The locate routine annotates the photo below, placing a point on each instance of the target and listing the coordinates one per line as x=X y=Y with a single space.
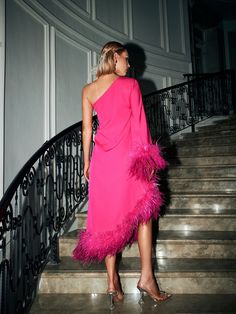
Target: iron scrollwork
x=34 y=212
x=175 y=108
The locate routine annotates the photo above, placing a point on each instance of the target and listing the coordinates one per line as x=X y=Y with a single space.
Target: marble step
x=98 y=303
x=217 y=128
x=187 y=200
x=209 y=133
x=204 y=160
x=181 y=275
x=206 y=140
x=176 y=244
x=188 y=220
x=198 y=220
x=224 y=120
x=227 y=185
x=206 y=150
x=193 y=172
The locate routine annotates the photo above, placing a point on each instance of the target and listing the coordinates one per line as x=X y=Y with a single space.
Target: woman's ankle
x=146 y=278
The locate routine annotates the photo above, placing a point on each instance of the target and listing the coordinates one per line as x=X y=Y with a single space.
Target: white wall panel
x=82 y=7
x=83 y=4
x=111 y=14
x=72 y=64
x=44 y=96
x=175 y=22
x=26 y=97
x=152 y=82
x=2 y=88
x=147 y=22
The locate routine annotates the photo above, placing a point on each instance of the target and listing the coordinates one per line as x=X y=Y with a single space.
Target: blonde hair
x=106 y=63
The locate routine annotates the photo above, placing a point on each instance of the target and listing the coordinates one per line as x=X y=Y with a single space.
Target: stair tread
x=204 y=145
x=206 y=156
x=208 y=135
x=216 y=236
x=182 y=235
x=162 y=265
x=204 y=179
x=201 y=166
x=97 y=303
x=189 y=213
x=201 y=212
x=204 y=194
x=206 y=265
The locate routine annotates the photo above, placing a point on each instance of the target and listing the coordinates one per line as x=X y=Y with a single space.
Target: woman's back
x=123 y=194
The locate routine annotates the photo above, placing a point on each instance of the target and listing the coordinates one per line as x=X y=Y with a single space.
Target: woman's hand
x=86 y=171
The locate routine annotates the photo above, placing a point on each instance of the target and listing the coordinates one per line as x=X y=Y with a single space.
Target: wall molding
x=126 y=15
x=182 y=28
x=58 y=24
x=114 y=32
x=182 y=31
x=2 y=92
x=105 y=34
x=96 y=26
x=46 y=39
x=154 y=48
x=77 y=45
x=161 y=8
x=52 y=113
x=130 y=21
x=85 y=13
x=46 y=83
x=31 y=12
x=166 y=28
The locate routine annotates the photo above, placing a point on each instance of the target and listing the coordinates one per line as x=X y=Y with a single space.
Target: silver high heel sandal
x=143 y=292
x=111 y=295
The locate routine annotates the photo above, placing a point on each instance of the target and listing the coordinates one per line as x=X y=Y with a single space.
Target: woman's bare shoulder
x=88 y=88
x=88 y=91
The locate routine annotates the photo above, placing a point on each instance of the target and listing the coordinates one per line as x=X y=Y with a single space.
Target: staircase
x=196 y=237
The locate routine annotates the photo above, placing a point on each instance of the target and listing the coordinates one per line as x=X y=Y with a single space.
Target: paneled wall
x=52 y=50
x=2 y=88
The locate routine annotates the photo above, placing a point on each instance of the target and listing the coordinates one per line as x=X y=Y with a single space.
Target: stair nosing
x=219 y=265
x=205 y=179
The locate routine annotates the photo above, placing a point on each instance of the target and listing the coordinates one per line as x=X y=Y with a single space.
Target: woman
x=123 y=191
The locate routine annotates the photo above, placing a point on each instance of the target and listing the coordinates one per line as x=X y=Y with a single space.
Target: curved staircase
x=195 y=251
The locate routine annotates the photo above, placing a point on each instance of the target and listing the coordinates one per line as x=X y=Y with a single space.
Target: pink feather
x=144 y=160
x=94 y=247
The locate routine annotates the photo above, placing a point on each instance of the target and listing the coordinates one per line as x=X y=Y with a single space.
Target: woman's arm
x=146 y=157
x=87 y=115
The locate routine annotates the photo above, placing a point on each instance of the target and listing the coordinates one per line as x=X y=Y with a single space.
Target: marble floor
x=97 y=303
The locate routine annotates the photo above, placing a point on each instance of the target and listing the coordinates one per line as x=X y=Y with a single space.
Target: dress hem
x=146 y=160
x=95 y=247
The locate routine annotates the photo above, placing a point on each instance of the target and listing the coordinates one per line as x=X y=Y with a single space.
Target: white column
x=2 y=79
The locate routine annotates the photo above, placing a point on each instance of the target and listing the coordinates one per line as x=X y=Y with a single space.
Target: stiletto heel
x=111 y=295
x=141 y=299
x=156 y=299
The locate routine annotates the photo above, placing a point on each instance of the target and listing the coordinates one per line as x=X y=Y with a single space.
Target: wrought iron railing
x=36 y=209
x=40 y=203
x=175 y=108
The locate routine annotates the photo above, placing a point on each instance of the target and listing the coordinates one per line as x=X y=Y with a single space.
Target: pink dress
x=121 y=193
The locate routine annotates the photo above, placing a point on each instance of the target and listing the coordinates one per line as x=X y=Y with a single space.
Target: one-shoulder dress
x=123 y=190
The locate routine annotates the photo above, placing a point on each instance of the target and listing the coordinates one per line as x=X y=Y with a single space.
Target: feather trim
x=95 y=247
x=144 y=160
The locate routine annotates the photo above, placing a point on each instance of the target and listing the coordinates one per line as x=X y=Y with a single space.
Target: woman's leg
x=145 y=249
x=113 y=282
x=110 y=262
x=147 y=280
